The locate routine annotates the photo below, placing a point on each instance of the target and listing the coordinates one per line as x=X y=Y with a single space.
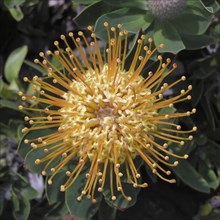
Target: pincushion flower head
x=104 y=115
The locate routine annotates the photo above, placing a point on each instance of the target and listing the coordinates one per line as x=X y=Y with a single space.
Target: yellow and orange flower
x=105 y=114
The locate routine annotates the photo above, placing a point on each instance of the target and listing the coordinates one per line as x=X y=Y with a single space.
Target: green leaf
x=132 y=19
x=91 y=13
x=141 y=4
x=210 y=6
x=24 y=209
x=16 y=13
x=120 y=202
x=53 y=192
x=196 y=41
x=12 y=3
x=57 y=212
x=191 y=24
x=86 y=2
x=84 y=209
x=106 y=212
x=209 y=175
x=36 y=67
x=14 y=62
x=15 y=202
x=39 y=154
x=8 y=104
x=165 y=33
x=23 y=148
x=187 y=173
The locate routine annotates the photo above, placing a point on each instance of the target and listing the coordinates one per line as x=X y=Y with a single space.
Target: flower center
x=105 y=116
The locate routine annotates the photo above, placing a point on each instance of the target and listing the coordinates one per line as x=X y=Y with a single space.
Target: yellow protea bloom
x=105 y=114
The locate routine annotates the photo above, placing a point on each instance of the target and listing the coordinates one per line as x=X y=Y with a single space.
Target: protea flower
x=104 y=114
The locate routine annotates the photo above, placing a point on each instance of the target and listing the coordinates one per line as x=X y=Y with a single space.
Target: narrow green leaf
x=165 y=33
x=14 y=62
x=209 y=175
x=187 y=173
x=210 y=6
x=15 y=201
x=24 y=210
x=16 y=13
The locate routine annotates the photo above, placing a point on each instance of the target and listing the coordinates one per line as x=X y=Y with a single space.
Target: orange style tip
x=150 y=40
x=138 y=175
x=190 y=87
x=89 y=28
x=56 y=43
x=159 y=57
x=145 y=185
x=135 y=185
x=120 y=174
x=174 y=65
x=52 y=170
x=129 y=198
x=80 y=33
x=113 y=198
x=168 y=172
x=182 y=143
x=20 y=107
x=36 y=61
x=117 y=165
x=20 y=93
x=186 y=156
x=26 y=141
x=94 y=201
x=194 y=128
x=105 y=24
x=62 y=37
x=43 y=173
x=62 y=188
x=176 y=163
x=79 y=198
x=64 y=155
x=183 y=78
x=83 y=192
x=49 y=182
x=41 y=54
x=68 y=173
x=37 y=161
x=46 y=150
x=194 y=110
x=49 y=52
x=88 y=196
x=172 y=181
x=166 y=158
x=100 y=189
x=25 y=79
x=190 y=137
x=161 y=45
x=119 y=26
